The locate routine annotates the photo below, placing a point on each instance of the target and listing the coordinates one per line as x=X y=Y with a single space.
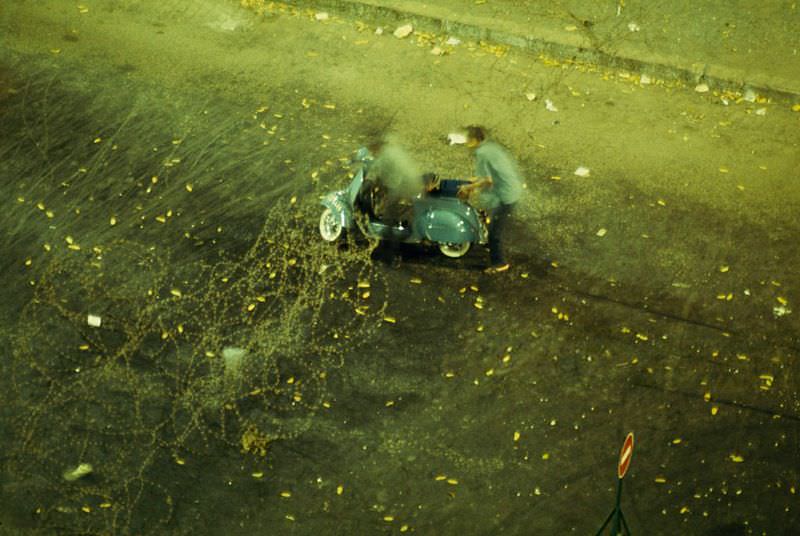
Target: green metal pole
x=605 y=523
x=615 y=528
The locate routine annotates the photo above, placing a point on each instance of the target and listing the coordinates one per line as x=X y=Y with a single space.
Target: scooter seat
x=450 y=187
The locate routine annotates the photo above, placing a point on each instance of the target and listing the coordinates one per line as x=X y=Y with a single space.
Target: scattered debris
x=530 y=96
x=321 y=15
x=750 y=95
x=781 y=310
x=582 y=171
x=645 y=80
x=403 y=31
x=94 y=321
x=766 y=380
x=378 y=31
x=761 y=111
x=80 y=471
x=453 y=41
x=632 y=26
x=548 y=104
x=232 y=359
x=601 y=232
x=701 y=88
x=437 y=51
x=456 y=138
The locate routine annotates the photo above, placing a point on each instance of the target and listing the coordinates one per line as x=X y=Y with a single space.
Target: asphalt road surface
x=653 y=296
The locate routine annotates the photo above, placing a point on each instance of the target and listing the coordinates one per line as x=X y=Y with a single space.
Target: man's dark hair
x=476 y=132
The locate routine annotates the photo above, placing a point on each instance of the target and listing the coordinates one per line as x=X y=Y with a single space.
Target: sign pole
x=616 y=517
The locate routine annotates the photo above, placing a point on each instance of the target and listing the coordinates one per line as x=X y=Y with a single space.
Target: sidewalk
x=715 y=42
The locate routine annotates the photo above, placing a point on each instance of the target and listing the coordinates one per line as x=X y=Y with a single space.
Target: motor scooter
x=437 y=216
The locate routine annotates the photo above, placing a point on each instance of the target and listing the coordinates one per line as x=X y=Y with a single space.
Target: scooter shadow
x=526 y=257
x=395 y=255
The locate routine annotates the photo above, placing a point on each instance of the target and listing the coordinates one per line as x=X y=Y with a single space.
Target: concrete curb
x=565 y=45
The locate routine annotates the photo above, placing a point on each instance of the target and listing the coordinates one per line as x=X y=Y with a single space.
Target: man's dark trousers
x=497 y=225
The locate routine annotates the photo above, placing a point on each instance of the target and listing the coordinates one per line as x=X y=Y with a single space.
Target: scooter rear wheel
x=330 y=228
x=454 y=251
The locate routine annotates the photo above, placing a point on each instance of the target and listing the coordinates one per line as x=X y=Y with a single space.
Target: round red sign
x=625 y=456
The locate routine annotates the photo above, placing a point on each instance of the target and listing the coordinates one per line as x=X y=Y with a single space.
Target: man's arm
x=476 y=183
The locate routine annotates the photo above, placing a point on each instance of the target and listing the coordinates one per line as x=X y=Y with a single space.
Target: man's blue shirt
x=493 y=160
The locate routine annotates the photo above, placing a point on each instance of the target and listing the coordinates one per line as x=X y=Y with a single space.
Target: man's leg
x=499 y=220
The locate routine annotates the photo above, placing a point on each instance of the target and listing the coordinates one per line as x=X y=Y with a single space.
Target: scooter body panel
x=446 y=220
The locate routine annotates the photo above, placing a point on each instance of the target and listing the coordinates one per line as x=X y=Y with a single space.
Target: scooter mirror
x=361 y=155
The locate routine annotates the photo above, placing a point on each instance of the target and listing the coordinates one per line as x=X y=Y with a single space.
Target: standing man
x=498 y=180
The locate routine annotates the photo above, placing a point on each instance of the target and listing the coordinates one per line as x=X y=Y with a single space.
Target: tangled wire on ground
x=127 y=365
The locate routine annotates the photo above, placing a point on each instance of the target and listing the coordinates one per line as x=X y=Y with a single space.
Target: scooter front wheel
x=330 y=227
x=454 y=251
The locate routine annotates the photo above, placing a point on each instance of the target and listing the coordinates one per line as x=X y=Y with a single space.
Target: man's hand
x=475 y=183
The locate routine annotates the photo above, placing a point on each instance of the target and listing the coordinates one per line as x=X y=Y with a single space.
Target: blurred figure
x=398 y=179
x=395 y=181
x=498 y=184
